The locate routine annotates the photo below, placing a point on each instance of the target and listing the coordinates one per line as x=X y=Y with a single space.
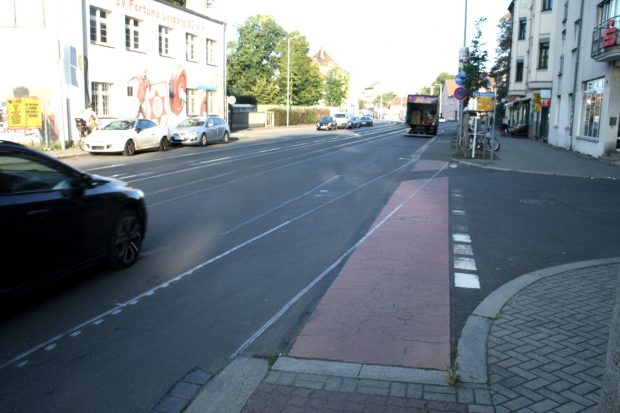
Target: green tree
x=475 y=68
x=385 y=99
x=252 y=59
x=336 y=87
x=425 y=90
x=305 y=78
x=500 y=71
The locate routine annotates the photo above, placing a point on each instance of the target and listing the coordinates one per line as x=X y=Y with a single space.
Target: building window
x=608 y=9
x=132 y=33
x=192 y=106
x=547 y=5
x=522 y=28
x=519 y=71
x=100 y=94
x=190 y=47
x=164 y=41
x=543 y=54
x=592 y=105
x=98 y=26
x=210 y=52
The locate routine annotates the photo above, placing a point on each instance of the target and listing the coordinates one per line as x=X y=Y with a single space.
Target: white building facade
x=531 y=66
x=130 y=58
x=586 y=87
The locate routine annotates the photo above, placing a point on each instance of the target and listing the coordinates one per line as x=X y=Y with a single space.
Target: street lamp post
x=288 y=79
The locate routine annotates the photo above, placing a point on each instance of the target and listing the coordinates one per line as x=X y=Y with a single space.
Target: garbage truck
x=422 y=115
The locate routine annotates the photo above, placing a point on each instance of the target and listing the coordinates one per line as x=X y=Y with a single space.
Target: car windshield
x=192 y=122
x=325 y=118
x=120 y=125
x=340 y=115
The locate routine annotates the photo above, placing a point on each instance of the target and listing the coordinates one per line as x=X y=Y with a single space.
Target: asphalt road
x=235 y=233
x=244 y=238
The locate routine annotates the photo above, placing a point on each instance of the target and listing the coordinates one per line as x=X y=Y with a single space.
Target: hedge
x=305 y=116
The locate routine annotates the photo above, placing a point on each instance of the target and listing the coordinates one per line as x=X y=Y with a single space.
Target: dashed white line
x=463 y=280
x=465 y=263
x=462 y=249
x=458 y=237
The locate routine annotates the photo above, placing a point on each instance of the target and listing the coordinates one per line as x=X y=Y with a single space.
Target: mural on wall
x=163 y=102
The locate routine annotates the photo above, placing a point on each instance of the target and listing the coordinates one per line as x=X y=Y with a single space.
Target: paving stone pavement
x=546 y=351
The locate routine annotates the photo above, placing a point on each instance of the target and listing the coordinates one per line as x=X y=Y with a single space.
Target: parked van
x=343 y=120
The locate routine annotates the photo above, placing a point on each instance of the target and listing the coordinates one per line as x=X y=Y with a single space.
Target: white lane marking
x=308 y=287
x=270 y=150
x=463 y=280
x=458 y=212
x=22 y=364
x=176 y=198
x=462 y=249
x=106 y=167
x=287 y=202
x=465 y=263
x=458 y=237
x=76 y=333
x=132 y=301
x=215 y=160
x=135 y=300
x=348 y=142
x=51 y=347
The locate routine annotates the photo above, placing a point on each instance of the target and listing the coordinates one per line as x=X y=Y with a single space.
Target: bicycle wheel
x=493 y=144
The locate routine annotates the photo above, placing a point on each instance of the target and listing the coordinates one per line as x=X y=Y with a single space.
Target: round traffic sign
x=460 y=78
x=460 y=93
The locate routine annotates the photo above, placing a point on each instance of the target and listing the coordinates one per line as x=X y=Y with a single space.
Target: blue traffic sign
x=460 y=78
x=460 y=93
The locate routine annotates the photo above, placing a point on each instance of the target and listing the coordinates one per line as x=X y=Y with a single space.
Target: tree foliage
x=384 y=99
x=435 y=87
x=500 y=71
x=252 y=59
x=305 y=79
x=475 y=68
x=336 y=87
x=258 y=64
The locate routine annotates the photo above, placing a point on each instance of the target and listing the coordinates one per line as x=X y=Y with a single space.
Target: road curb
x=472 y=347
x=360 y=371
x=229 y=391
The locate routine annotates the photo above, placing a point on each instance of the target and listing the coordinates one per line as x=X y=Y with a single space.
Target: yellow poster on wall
x=537 y=102
x=24 y=113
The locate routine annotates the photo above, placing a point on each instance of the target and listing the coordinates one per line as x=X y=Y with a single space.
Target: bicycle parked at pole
x=484 y=140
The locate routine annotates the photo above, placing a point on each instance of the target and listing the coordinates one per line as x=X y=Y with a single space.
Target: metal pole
x=462 y=132
x=473 y=143
x=288 y=79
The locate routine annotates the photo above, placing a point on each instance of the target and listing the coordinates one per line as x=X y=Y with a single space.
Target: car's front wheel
x=125 y=239
x=130 y=148
x=226 y=137
x=164 y=144
x=203 y=139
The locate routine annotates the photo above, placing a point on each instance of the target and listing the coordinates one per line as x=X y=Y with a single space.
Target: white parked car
x=127 y=136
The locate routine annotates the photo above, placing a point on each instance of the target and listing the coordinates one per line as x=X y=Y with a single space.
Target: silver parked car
x=200 y=131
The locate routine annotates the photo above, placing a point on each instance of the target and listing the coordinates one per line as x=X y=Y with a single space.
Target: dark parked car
x=57 y=220
x=366 y=121
x=326 y=122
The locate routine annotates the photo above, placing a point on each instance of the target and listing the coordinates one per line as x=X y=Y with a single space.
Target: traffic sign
x=460 y=93
x=484 y=94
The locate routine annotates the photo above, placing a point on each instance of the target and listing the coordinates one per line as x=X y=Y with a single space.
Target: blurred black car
x=327 y=123
x=366 y=121
x=57 y=220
